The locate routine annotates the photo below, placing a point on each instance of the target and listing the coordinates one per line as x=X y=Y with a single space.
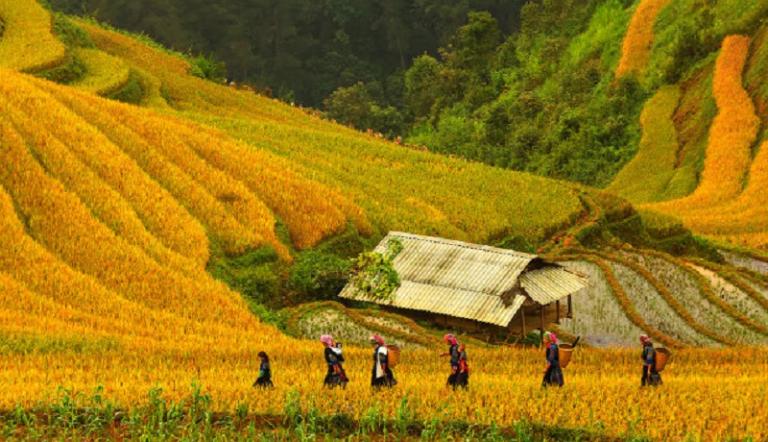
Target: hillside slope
x=701 y=156
x=111 y=214
x=132 y=202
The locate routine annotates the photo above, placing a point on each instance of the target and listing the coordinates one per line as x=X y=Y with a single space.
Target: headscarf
x=449 y=338
x=327 y=340
x=377 y=339
x=645 y=339
x=553 y=337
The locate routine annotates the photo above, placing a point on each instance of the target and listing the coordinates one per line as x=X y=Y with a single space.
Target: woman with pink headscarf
x=381 y=375
x=553 y=375
x=459 y=376
x=334 y=358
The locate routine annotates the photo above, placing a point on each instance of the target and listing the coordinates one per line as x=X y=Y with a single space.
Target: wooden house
x=478 y=289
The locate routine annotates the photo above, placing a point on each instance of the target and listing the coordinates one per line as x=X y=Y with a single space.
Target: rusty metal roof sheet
x=468 y=280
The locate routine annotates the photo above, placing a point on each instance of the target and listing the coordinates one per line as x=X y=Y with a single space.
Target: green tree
x=420 y=90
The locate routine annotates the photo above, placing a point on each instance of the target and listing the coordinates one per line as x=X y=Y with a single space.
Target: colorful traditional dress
x=381 y=375
x=554 y=374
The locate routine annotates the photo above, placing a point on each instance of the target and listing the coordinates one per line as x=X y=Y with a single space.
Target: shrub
x=208 y=68
x=253 y=274
x=318 y=274
x=132 y=92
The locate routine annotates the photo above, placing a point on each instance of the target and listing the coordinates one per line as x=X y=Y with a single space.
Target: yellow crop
x=647 y=176
x=105 y=73
x=721 y=206
x=636 y=48
x=161 y=213
x=602 y=387
x=27 y=43
x=108 y=213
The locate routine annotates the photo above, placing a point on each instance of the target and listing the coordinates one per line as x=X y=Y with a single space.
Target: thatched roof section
x=470 y=281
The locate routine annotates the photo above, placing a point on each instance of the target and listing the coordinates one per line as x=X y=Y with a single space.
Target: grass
x=606 y=26
x=97 y=416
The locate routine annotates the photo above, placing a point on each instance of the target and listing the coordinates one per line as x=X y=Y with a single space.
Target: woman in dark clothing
x=381 y=375
x=459 y=376
x=265 y=372
x=553 y=375
x=650 y=375
x=334 y=358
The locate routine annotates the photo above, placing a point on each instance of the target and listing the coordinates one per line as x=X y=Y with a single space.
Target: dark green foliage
x=318 y=275
x=278 y=318
x=253 y=274
x=69 y=33
x=355 y=106
x=73 y=37
x=543 y=101
x=207 y=67
x=517 y=243
x=72 y=69
x=2 y=27
x=348 y=244
x=374 y=274
x=301 y=50
x=132 y=92
x=419 y=79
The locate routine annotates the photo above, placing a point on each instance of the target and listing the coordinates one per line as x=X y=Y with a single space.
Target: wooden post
x=570 y=307
x=541 y=321
x=522 y=322
x=557 y=310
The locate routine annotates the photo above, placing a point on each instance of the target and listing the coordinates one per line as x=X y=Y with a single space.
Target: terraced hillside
x=702 y=157
x=121 y=183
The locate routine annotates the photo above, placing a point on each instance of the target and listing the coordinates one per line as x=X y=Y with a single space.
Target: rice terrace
x=524 y=220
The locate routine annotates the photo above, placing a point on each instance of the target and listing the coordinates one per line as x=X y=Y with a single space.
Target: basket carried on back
x=566 y=351
x=662 y=357
x=393 y=355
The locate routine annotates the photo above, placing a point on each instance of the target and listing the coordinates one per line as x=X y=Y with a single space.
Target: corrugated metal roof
x=468 y=280
x=549 y=284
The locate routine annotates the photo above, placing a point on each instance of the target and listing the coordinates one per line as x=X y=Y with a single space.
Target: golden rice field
x=28 y=44
x=727 y=204
x=636 y=48
x=698 y=399
x=732 y=134
x=109 y=213
x=105 y=73
x=648 y=175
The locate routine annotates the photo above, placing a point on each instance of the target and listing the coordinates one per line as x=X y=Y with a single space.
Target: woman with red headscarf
x=459 y=376
x=381 y=375
x=336 y=376
x=553 y=375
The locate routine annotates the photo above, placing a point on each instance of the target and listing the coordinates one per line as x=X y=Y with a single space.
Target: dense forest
x=301 y=50
x=521 y=84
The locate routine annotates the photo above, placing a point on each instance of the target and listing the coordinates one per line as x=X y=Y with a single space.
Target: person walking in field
x=459 y=376
x=651 y=377
x=381 y=375
x=265 y=372
x=553 y=375
x=334 y=359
